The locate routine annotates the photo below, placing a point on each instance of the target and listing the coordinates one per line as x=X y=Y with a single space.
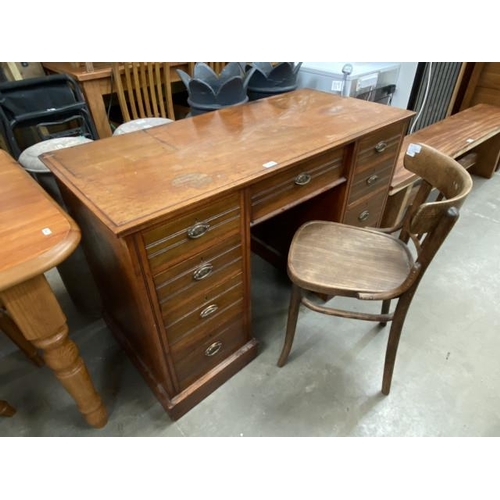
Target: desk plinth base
x=180 y=404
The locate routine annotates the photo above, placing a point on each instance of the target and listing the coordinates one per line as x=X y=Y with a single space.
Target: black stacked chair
x=39 y=115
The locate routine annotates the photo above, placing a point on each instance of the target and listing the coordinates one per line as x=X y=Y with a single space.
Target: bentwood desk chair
x=370 y=264
x=144 y=92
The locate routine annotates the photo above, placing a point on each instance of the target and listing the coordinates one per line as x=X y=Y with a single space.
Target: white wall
x=318 y=75
x=405 y=82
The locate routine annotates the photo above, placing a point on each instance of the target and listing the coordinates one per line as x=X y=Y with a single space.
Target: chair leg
x=6 y=410
x=393 y=342
x=293 y=313
x=12 y=331
x=386 y=305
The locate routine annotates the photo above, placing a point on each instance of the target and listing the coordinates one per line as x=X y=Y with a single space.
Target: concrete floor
x=446 y=381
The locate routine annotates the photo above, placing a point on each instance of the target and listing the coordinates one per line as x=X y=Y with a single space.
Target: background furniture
x=41 y=109
x=481 y=84
x=39 y=115
x=96 y=84
x=472 y=137
x=144 y=93
x=37 y=235
x=366 y=264
x=168 y=219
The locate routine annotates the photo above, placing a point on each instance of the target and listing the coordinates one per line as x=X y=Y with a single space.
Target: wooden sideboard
x=167 y=217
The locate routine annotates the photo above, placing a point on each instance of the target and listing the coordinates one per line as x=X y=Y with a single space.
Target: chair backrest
x=428 y=223
x=42 y=108
x=144 y=90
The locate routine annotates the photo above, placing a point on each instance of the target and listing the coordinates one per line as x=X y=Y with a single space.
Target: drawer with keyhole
x=367 y=212
x=176 y=239
x=195 y=356
x=205 y=312
x=296 y=184
x=196 y=274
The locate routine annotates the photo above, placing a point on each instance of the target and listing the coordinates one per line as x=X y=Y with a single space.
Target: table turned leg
x=35 y=310
x=6 y=410
x=12 y=331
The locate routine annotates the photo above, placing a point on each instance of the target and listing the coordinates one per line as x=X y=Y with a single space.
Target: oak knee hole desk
x=168 y=214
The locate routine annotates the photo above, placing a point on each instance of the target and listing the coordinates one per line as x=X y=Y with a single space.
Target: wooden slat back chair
x=371 y=264
x=144 y=92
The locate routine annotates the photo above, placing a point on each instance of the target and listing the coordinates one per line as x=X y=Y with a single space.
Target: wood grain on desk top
x=131 y=179
x=25 y=211
x=452 y=136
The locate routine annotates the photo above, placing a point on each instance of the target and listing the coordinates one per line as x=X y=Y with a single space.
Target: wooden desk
x=37 y=235
x=167 y=216
x=96 y=84
x=471 y=136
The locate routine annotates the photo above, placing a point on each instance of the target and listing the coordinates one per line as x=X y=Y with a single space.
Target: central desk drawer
x=296 y=184
x=177 y=239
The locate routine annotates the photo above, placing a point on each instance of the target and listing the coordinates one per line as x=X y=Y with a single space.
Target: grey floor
x=446 y=381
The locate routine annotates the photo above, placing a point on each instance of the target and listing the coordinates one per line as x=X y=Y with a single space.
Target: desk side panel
x=127 y=308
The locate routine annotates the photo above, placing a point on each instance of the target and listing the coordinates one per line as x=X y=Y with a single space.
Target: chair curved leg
x=293 y=313
x=386 y=305
x=6 y=410
x=393 y=341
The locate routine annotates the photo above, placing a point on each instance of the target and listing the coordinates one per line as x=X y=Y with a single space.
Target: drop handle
x=303 y=179
x=203 y=272
x=372 y=179
x=381 y=146
x=209 y=310
x=198 y=230
x=363 y=215
x=213 y=349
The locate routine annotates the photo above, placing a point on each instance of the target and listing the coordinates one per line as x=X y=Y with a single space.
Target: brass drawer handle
x=381 y=146
x=372 y=179
x=203 y=272
x=198 y=230
x=209 y=310
x=363 y=215
x=303 y=179
x=213 y=349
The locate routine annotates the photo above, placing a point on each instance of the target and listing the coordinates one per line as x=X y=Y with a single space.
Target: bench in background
x=472 y=137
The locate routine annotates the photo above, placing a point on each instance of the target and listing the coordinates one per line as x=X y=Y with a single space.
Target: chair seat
x=337 y=259
x=140 y=124
x=29 y=157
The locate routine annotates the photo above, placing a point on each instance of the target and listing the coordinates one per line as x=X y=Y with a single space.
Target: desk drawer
x=367 y=212
x=379 y=145
x=200 y=272
x=296 y=184
x=203 y=313
x=177 y=239
x=371 y=179
x=196 y=356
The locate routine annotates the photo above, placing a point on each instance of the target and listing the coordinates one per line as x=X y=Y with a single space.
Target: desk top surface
x=452 y=136
x=133 y=179
x=35 y=233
